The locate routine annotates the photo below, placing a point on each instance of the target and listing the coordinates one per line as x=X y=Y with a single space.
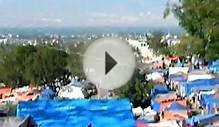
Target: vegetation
x=188 y=46
x=75 y=61
x=157 y=46
x=200 y=19
x=36 y=65
x=137 y=90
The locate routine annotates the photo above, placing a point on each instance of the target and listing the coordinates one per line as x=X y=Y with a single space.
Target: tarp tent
x=199 y=85
x=177 y=78
x=154 y=76
x=201 y=118
x=199 y=74
x=214 y=67
x=176 y=107
x=155 y=105
x=78 y=113
x=71 y=92
x=159 y=89
x=175 y=70
x=210 y=102
x=47 y=94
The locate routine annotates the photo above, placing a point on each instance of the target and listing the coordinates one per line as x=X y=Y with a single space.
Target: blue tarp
x=155 y=105
x=177 y=77
x=209 y=101
x=78 y=113
x=200 y=118
x=47 y=94
x=197 y=85
x=216 y=62
x=159 y=89
x=176 y=107
x=214 y=67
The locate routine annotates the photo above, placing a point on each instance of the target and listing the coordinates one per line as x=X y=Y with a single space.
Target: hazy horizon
x=84 y=13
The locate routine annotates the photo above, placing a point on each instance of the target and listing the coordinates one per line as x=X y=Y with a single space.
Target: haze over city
x=84 y=13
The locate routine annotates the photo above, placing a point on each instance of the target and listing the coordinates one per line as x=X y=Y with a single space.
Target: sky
x=84 y=13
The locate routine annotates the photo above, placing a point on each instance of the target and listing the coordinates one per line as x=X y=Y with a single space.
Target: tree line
x=38 y=65
x=199 y=18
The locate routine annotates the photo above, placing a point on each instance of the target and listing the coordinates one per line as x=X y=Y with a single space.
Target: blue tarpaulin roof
x=176 y=107
x=215 y=63
x=214 y=67
x=177 y=77
x=200 y=118
x=47 y=94
x=159 y=89
x=202 y=84
x=155 y=105
x=78 y=113
x=209 y=101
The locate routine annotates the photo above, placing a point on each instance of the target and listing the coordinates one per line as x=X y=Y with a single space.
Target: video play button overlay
x=109 y=63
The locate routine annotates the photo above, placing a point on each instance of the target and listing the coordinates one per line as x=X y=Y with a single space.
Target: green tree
x=188 y=46
x=49 y=66
x=157 y=46
x=137 y=90
x=38 y=65
x=75 y=60
x=200 y=19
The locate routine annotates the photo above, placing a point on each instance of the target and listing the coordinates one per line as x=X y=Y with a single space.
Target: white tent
x=71 y=92
x=154 y=76
x=138 y=111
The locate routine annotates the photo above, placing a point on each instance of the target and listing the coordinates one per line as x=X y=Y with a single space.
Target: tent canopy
x=47 y=94
x=78 y=113
x=159 y=89
x=177 y=77
x=176 y=107
x=199 y=85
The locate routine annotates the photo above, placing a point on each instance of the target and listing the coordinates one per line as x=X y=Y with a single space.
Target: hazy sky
x=27 y=13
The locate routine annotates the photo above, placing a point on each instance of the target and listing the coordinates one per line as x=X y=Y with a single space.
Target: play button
x=109 y=63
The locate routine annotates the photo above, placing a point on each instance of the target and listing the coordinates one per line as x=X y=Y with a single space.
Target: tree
x=137 y=90
x=38 y=65
x=200 y=19
x=49 y=66
x=188 y=46
x=75 y=59
x=158 y=46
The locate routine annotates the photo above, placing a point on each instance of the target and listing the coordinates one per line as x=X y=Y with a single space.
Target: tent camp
x=159 y=89
x=214 y=67
x=176 y=111
x=210 y=102
x=47 y=94
x=199 y=74
x=175 y=70
x=176 y=107
x=199 y=85
x=71 y=92
x=203 y=119
x=78 y=113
